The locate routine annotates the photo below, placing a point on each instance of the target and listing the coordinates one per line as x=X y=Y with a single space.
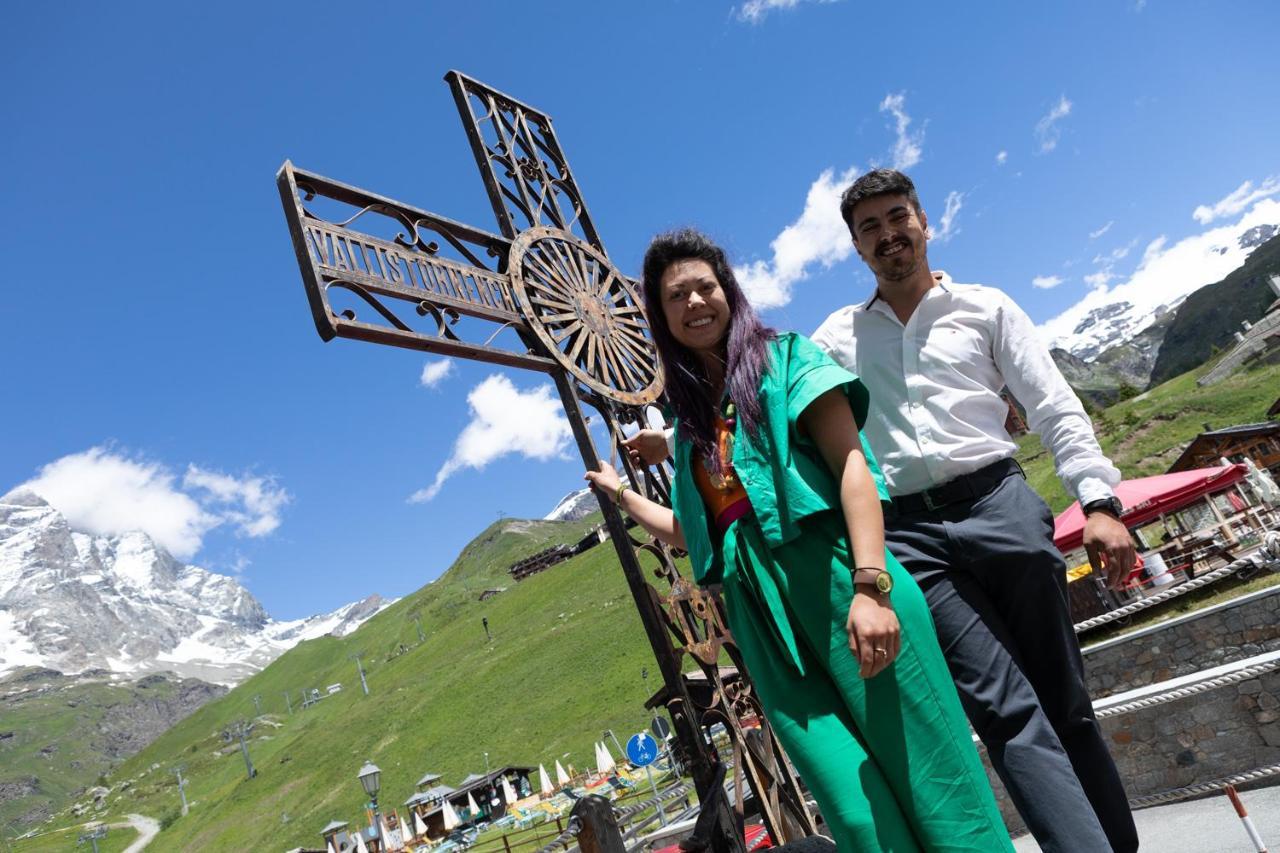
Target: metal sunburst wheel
x=586 y=313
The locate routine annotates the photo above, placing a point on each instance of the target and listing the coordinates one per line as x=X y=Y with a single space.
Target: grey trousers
x=996 y=587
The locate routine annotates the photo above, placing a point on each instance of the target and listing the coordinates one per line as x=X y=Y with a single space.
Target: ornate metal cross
x=563 y=309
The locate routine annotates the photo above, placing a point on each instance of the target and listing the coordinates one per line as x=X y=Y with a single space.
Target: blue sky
x=160 y=365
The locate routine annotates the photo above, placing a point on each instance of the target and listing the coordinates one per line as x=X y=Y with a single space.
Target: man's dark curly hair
x=873 y=184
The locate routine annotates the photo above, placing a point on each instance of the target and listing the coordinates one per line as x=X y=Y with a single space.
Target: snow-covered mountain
x=73 y=602
x=1164 y=279
x=574 y=506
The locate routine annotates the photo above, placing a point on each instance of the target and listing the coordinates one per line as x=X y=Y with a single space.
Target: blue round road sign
x=642 y=749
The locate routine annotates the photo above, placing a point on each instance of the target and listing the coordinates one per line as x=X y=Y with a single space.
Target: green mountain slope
x=565 y=662
x=1208 y=318
x=59 y=734
x=1145 y=434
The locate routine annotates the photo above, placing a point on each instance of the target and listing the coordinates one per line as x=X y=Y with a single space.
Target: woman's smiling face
x=695 y=305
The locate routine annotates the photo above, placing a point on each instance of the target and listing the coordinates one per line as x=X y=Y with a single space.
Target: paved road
x=1201 y=825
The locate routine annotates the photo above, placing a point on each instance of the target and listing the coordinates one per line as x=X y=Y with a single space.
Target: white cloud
x=1243 y=196
x=1047 y=130
x=1166 y=273
x=1002 y=157
x=505 y=420
x=818 y=236
x=1100 y=279
x=947 y=224
x=435 y=372
x=909 y=147
x=107 y=493
x=1106 y=264
x=754 y=11
x=1047 y=282
x=1094 y=235
x=253 y=504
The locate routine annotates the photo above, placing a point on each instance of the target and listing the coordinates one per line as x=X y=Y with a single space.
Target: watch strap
x=1110 y=505
x=871 y=577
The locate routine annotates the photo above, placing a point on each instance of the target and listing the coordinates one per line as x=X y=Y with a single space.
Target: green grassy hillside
x=58 y=734
x=565 y=662
x=1145 y=434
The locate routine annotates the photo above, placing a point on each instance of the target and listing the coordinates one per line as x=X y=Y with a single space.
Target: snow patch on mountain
x=72 y=601
x=1164 y=278
x=574 y=506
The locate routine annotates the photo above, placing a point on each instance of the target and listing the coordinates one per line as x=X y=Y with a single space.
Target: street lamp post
x=609 y=734
x=371 y=781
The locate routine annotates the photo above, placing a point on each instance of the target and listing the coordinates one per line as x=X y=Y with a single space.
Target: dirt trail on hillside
x=147 y=828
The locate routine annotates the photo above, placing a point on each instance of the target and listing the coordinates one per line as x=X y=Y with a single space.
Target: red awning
x=1147 y=497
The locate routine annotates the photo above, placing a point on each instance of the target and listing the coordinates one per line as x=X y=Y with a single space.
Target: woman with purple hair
x=777 y=498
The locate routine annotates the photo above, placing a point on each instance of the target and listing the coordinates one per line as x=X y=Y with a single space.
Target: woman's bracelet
x=617 y=498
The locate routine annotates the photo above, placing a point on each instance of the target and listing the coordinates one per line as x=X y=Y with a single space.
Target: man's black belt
x=966 y=487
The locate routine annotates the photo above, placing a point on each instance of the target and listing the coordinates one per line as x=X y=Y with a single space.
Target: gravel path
x=147 y=828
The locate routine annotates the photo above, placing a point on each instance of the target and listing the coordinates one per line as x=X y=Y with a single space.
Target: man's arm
x=1055 y=413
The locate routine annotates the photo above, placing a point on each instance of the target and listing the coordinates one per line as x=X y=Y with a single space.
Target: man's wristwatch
x=879 y=578
x=1111 y=506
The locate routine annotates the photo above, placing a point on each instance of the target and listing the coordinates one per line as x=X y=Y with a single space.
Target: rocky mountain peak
x=76 y=601
x=1257 y=235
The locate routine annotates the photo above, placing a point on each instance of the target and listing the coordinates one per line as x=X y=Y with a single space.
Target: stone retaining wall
x=1199 y=738
x=1219 y=733
x=1241 y=628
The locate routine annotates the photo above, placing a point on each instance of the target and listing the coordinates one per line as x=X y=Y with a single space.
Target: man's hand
x=648 y=446
x=874 y=634
x=1109 y=546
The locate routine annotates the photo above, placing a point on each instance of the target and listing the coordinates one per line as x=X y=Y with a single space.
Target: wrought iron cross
x=563 y=309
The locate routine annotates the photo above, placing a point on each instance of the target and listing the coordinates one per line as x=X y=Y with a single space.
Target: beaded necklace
x=726 y=478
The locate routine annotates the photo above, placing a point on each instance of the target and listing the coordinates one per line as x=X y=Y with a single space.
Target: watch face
x=884 y=582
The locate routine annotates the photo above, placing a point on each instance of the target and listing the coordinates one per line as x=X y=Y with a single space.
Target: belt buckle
x=928 y=501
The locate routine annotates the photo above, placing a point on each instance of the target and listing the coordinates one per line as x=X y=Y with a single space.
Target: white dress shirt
x=936 y=411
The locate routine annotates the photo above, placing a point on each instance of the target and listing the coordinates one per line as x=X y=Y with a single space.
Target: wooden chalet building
x=1257 y=442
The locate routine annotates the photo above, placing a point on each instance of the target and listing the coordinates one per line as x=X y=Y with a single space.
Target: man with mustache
x=935 y=356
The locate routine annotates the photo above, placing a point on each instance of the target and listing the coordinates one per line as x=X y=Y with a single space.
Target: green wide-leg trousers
x=890 y=760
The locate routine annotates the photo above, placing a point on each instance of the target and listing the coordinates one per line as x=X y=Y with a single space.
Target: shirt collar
x=940 y=276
